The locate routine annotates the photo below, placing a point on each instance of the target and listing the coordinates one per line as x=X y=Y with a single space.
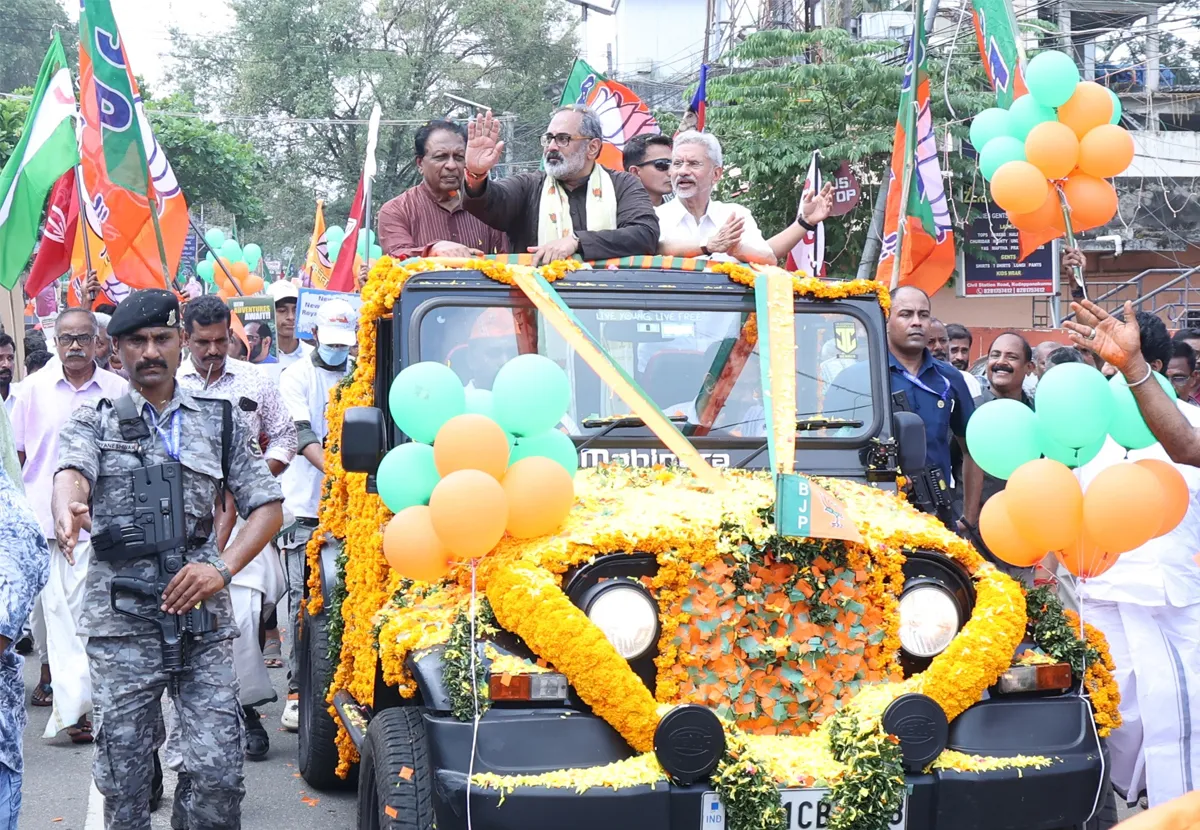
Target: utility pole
x=708 y=26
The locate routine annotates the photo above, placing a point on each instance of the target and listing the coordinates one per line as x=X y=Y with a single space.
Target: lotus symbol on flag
x=620 y=119
x=165 y=183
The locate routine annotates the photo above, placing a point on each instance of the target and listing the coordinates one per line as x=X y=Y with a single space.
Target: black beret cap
x=147 y=308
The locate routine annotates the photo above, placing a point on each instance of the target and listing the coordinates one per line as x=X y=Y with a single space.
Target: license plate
x=805 y=810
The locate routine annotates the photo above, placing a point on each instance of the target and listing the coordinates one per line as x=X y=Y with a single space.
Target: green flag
x=1000 y=48
x=46 y=151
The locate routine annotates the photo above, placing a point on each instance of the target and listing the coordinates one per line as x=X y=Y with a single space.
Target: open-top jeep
x=666 y=659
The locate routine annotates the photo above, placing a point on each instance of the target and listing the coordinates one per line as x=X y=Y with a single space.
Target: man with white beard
x=575 y=207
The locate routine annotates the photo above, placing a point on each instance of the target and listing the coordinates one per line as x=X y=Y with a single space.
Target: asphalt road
x=58 y=794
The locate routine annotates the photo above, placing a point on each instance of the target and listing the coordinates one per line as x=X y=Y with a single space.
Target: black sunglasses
x=661 y=165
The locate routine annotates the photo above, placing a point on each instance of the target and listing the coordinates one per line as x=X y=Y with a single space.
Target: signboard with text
x=989 y=263
x=310 y=300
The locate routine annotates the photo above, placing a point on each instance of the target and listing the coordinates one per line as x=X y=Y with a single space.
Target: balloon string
x=474 y=698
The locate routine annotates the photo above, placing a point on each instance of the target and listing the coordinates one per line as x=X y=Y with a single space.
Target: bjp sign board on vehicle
x=311 y=299
x=990 y=266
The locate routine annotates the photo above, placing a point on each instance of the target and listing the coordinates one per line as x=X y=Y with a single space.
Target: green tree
x=26 y=27
x=13 y=112
x=822 y=90
x=302 y=79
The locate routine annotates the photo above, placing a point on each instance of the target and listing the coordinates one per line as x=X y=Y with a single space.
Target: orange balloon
x=240 y=271
x=220 y=273
x=1019 y=187
x=1002 y=537
x=227 y=291
x=1088 y=108
x=1048 y=217
x=1106 y=151
x=469 y=511
x=1176 y=495
x=1085 y=559
x=1045 y=503
x=1093 y=201
x=411 y=546
x=471 y=442
x=252 y=284
x=1052 y=148
x=540 y=495
x=1124 y=506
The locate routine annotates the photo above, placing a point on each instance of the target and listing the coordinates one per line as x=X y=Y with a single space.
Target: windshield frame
x=417 y=303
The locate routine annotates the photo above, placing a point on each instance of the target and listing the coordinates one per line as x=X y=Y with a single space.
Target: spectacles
x=562 y=139
x=661 y=165
x=66 y=340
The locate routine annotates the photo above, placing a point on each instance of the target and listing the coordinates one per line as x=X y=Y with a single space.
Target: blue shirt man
x=935 y=390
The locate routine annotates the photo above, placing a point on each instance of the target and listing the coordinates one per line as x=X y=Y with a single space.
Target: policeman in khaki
x=97 y=466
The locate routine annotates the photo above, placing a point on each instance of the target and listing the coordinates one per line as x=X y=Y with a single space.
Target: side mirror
x=364 y=439
x=909 y=430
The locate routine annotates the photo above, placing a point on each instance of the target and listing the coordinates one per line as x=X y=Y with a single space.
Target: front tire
x=318 y=753
x=395 y=780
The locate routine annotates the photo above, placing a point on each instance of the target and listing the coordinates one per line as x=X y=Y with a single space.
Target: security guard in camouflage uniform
x=105 y=452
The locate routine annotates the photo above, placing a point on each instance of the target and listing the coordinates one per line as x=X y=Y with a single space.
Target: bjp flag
x=622 y=114
x=132 y=189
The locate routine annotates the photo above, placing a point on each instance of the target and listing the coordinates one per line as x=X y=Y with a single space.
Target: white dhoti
x=1156 y=651
x=62 y=602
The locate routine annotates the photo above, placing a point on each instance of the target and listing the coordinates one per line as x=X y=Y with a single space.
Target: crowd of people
x=154 y=384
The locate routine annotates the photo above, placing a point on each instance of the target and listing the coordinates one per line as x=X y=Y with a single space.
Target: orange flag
x=125 y=172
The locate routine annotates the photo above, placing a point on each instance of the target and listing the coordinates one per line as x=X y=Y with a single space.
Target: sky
x=145 y=27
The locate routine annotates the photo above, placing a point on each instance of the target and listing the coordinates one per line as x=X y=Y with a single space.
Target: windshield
x=700 y=366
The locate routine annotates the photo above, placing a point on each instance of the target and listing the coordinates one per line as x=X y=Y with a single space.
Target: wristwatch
x=223 y=570
x=705 y=251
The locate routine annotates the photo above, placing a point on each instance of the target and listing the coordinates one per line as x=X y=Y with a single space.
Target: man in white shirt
x=288 y=348
x=305 y=386
x=1148 y=606
x=693 y=223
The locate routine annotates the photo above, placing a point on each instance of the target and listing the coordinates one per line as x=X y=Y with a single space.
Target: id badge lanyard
x=170 y=434
x=942 y=396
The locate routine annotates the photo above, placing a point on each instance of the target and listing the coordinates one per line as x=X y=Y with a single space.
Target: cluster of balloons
x=238 y=262
x=1043 y=508
x=480 y=463
x=335 y=237
x=1064 y=133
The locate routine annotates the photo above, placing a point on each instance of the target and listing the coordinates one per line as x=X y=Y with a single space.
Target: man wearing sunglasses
x=648 y=156
x=573 y=207
x=48 y=398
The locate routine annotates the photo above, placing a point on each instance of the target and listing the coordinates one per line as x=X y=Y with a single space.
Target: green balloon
x=1002 y=435
x=997 y=152
x=406 y=476
x=1116 y=102
x=231 y=250
x=479 y=402
x=252 y=253
x=530 y=394
x=1051 y=78
x=1066 y=455
x=553 y=444
x=423 y=397
x=1129 y=427
x=205 y=270
x=1026 y=113
x=992 y=123
x=214 y=238
x=335 y=234
x=1074 y=404
x=376 y=252
x=333 y=248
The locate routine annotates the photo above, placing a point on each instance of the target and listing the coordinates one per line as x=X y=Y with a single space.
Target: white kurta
x=1148 y=606
x=62 y=603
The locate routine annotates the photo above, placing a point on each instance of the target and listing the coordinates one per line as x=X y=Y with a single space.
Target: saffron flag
x=89 y=244
x=1004 y=61
x=134 y=193
x=809 y=253
x=44 y=153
x=917 y=231
x=317 y=264
x=58 y=236
x=622 y=114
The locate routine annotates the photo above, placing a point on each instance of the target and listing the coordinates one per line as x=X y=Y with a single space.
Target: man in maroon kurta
x=429 y=220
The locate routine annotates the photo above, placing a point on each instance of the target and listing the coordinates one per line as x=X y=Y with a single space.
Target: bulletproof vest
x=133 y=426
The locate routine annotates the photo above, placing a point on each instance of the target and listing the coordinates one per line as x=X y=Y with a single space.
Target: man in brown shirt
x=574 y=207
x=429 y=220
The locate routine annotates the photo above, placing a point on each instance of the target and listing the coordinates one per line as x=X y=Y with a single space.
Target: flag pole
x=910 y=138
x=216 y=256
x=1076 y=271
x=369 y=167
x=87 y=248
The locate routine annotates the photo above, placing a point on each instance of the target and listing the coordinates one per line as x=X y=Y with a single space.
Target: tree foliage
x=304 y=76
x=26 y=26
x=822 y=90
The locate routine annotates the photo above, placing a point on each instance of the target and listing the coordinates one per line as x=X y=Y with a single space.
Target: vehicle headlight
x=929 y=619
x=628 y=617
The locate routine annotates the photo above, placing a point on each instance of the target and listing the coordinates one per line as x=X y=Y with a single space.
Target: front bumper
x=527 y=742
